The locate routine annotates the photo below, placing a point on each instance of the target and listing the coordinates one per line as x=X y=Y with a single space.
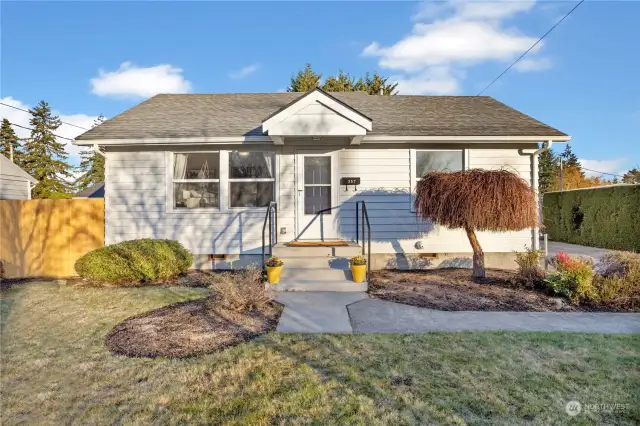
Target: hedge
x=135 y=262
x=607 y=217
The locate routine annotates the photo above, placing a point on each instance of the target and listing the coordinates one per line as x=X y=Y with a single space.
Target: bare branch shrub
x=240 y=290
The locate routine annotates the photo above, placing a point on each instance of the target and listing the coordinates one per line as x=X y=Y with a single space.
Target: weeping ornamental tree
x=477 y=200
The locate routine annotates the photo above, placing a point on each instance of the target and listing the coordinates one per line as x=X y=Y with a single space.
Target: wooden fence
x=44 y=238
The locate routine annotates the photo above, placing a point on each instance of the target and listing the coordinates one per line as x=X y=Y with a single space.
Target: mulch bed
x=454 y=290
x=189 y=329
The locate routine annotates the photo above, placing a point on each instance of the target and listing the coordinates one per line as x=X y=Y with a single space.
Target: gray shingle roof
x=241 y=114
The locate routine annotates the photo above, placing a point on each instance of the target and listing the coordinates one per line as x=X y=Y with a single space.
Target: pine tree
x=569 y=159
x=548 y=169
x=632 y=176
x=91 y=165
x=305 y=80
x=308 y=80
x=9 y=143
x=45 y=157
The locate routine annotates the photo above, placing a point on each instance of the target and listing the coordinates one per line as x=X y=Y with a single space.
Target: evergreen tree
x=305 y=80
x=569 y=159
x=9 y=142
x=632 y=176
x=45 y=157
x=308 y=80
x=91 y=165
x=548 y=169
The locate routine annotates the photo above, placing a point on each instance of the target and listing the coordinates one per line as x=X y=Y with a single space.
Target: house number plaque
x=346 y=181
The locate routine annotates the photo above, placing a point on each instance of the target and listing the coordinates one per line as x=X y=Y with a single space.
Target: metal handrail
x=273 y=234
x=365 y=218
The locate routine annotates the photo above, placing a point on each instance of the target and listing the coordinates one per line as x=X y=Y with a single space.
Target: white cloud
x=130 y=81
x=533 y=64
x=434 y=81
x=457 y=35
x=22 y=118
x=616 y=166
x=244 y=72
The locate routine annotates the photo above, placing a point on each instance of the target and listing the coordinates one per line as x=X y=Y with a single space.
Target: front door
x=317 y=196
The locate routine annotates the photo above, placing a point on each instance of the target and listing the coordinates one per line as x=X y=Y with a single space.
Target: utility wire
x=532 y=46
x=25 y=110
x=603 y=173
x=29 y=128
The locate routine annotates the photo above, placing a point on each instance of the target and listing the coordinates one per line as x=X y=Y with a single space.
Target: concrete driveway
x=576 y=250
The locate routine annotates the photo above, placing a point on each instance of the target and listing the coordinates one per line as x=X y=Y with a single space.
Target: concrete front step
x=315 y=262
x=284 y=251
x=317 y=279
x=320 y=285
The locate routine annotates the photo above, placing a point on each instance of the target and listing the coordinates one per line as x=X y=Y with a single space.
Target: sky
x=91 y=58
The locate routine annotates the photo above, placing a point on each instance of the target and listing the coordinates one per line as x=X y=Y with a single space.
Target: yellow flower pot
x=273 y=274
x=359 y=273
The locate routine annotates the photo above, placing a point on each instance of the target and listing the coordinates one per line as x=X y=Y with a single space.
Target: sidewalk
x=337 y=312
x=380 y=316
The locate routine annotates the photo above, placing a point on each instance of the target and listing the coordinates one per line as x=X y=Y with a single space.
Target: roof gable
x=317 y=113
x=7 y=168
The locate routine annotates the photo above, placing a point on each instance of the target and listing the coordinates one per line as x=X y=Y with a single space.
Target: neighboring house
x=15 y=183
x=201 y=169
x=95 y=191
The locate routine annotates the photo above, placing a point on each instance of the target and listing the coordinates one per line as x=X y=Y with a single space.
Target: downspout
x=96 y=149
x=546 y=146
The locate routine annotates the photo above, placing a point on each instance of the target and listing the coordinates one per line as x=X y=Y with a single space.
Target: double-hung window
x=424 y=161
x=251 y=179
x=196 y=180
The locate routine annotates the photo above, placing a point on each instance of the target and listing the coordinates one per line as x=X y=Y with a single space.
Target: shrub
x=618 y=279
x=573 y=279
x=135 y=262
x=241 y=290
x=529 y=271
x=600 y=217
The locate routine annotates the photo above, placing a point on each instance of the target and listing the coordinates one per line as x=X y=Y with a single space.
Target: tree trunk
x=478 y=254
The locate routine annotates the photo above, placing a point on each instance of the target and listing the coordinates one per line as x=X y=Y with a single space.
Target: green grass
x=57 y=370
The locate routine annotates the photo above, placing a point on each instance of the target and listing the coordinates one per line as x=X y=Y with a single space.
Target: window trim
x=170 y=194
x=274 y=179
x=224 y=203
x=413 y=164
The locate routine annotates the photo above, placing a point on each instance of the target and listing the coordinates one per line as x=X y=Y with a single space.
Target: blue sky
x=87 y=58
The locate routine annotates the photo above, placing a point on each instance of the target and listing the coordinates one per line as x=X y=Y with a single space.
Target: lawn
x=57 y=370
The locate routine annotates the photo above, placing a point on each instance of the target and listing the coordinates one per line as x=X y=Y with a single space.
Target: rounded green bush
x=135 y=261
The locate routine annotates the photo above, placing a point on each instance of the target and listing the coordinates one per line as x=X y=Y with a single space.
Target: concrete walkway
x=379 y=316
x=316 y=312
x=343 y=312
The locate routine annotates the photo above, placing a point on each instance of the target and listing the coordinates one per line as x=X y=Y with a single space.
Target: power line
x=29 y=128
x=602 y=173
x=532 y=46
x=25 y=110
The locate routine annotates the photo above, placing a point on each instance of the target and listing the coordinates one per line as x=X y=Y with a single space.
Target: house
x=95 y=191
x=15 y=183
x=202 y=169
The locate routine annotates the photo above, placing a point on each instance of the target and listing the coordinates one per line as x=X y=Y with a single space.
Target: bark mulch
x=454 y=290
x=190 y=329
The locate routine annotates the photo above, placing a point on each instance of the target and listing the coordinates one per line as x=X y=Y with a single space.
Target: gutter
x=546 y=146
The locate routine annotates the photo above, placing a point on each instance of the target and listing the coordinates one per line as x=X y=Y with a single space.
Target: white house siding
x=136 y=188
x=135 y=207
x=14 y=188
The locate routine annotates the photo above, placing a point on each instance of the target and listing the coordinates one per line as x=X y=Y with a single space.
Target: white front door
x=317 y=191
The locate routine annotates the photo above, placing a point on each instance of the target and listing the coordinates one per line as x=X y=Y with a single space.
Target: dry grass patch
x=57 y=370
